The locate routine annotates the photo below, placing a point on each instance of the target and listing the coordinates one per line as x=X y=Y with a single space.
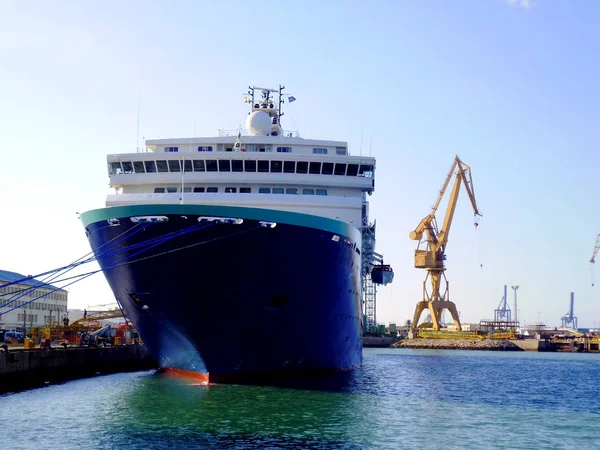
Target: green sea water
x=400 y=398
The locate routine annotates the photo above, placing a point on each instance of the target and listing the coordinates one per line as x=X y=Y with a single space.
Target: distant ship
x=240 y=257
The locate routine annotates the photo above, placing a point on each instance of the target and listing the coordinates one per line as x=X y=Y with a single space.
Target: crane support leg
x=435 y=309
x=421 y=306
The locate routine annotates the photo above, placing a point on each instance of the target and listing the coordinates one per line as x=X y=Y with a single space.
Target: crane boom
x=594 y=253
x=596 y=248
x=463 y=170
x=432 y=258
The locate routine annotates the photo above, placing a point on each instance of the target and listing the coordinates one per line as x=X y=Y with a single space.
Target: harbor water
x=400 y=398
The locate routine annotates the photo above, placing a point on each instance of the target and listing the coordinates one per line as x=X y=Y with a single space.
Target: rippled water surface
x=398 y=399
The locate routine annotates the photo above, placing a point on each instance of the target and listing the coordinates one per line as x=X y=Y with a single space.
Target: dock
x=28 y=368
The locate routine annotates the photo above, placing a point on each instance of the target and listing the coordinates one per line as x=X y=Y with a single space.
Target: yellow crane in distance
x=432 y=257
x=594 y=253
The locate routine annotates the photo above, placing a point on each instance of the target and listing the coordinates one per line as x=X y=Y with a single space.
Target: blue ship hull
x=236 y=301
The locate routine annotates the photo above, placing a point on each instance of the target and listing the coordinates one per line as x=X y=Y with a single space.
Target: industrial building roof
x=9 y=277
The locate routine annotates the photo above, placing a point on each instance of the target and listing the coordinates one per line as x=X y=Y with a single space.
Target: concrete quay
x=378 y=341
x=459 y=344
x=22 y=369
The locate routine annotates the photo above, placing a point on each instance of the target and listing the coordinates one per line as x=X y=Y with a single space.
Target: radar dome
x=258 y=123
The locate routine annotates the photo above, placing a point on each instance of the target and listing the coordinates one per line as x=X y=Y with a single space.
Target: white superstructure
x=265 y=167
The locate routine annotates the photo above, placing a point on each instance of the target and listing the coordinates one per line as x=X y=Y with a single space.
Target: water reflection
x=318 y=413
x=398 y=399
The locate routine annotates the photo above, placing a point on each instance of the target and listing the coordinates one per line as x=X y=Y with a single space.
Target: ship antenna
x=137 y=137
x=361 y=135
x=279 y=113
x=251 y=93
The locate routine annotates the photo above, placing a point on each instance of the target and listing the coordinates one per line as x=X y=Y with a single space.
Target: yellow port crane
x=594 y=253
x=432 y=257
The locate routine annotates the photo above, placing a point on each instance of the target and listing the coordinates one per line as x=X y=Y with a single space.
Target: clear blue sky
x=511 y=86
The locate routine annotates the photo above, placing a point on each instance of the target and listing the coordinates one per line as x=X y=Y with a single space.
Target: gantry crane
x=594 y=253
x=432 y=257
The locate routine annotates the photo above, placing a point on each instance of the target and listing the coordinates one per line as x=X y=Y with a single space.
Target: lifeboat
x=382 y=274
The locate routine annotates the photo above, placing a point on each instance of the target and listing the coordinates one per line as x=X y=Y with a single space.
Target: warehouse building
x=50 y=309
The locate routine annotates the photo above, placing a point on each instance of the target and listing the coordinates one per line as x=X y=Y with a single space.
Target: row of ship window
x=209 y=148
x=239 y=165
x=242 y=190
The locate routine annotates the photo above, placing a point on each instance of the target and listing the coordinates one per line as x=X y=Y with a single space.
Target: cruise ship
x=240 y=256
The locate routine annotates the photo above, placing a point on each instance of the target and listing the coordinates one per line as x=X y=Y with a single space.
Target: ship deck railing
x=234 y=133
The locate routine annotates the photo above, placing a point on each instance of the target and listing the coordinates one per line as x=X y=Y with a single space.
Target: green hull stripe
x=269 y=215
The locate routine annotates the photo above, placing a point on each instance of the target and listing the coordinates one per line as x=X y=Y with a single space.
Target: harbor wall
x=22 y=369
x=378 y=341
x=459 y=344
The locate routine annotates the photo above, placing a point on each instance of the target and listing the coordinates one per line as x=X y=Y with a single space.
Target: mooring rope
x=126 y=260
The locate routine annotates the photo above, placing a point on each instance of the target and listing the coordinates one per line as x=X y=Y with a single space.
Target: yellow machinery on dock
x=433 y=256
x=70 y=334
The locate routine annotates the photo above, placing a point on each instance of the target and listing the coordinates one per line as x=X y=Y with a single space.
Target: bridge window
x=308 y=192
x=127 y=167
x=150 y=166
x=212 y=190
x=198 y=165
x=321 y=191
x=366 y=170
x=171 y=149
x=174 y=166
x=315 y=168
x=162 y=166
x=245 y=190
x=198 y=189
x=277 y=190
x=264 y=190
x=205 y=148
x=352 y=170
x=302 y=167
x=284 y=149
x=224 y=165
x=138 y=166
x=171 y=190
x=237 y=165
x=115 y=168
x=319 y=151
x=340 y=169
x=230 y=190
x=275 y=166
x=327 y=169
x=250 y=166
x=292 y=191
x=187 y=189
x=263 y=166
x=159 y=190
x=341 y=151
x=187 y=165
x=289 y=166
x=211 y=165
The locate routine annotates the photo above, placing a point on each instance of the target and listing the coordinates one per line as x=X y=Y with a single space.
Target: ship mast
x=267 y=103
